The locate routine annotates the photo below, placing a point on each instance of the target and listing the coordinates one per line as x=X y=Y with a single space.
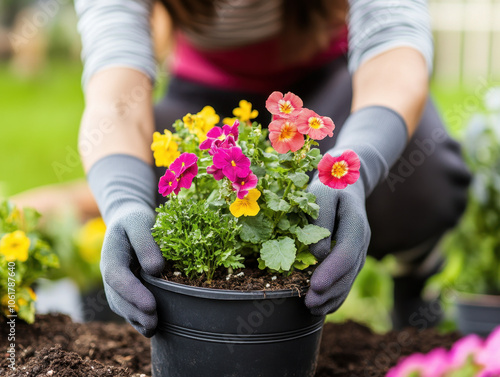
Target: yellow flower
x=245 y=112
x=229 y=121
x=209 y=117
x=247 y=206
x=90 y=238
x=14 y=246
x=202 y=122
x=32 y=294
x=164 y=148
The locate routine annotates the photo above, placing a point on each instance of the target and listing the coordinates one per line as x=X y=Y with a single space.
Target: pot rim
x=469 y=298
x=219 y=294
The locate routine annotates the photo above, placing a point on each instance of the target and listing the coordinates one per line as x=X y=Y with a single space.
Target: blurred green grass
x=39 y=119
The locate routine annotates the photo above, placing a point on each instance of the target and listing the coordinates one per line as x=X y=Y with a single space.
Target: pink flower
x=470 y=345
x=489 y=356
x=168 y=183
x=186 y=162
x=217 y=173
x=317 y=127
x=217 y=136
x=339 y=172
x=242 y=185
x=284 y=136
x=185 y=169
x=233 y=162
x=434 y=364
x=287 y=106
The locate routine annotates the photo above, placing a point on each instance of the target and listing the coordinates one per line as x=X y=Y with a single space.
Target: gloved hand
x=378 y=135
x=124 y=188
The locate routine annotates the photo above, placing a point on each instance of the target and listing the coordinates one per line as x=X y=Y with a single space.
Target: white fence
x=467 y=39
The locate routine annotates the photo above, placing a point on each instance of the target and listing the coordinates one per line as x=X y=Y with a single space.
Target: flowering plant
x=470 y=356
x=245 y=196
x=24 y=257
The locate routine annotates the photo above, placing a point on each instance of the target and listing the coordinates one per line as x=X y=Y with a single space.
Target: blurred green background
x=41 y=103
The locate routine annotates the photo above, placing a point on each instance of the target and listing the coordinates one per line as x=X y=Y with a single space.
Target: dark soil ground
x=55 y=346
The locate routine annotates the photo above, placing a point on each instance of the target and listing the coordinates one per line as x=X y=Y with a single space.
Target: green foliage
x=197 y=239
x=18 y=272
x=473 y=248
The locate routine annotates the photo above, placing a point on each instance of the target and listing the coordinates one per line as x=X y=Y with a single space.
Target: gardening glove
x=378 y=135
x=124 y=188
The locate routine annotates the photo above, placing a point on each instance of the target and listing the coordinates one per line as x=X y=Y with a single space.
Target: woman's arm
x=397 y=79
x=118 y=117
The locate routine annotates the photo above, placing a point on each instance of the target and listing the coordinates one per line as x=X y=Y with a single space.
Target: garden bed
x=54 y=343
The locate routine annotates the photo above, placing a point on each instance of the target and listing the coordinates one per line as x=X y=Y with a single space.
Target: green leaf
x=311 y=234
x=275 y=203
x=256 y=229
x=259 y=171
x=306 y=202
x=306 y=257
x=269 y=157
x=286 y=157
x=299 y=179
x=279 y=254
x=284 y=224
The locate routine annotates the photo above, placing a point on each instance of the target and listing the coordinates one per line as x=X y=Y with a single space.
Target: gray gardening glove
x=124 y=188
x=378 y=135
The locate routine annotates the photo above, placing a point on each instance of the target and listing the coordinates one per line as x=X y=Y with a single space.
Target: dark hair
x=307 y=23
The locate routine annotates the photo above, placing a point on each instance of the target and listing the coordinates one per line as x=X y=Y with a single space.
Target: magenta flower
x=186 y=162
x=317 y=127
x=185 y=169
x=167 y=183
x=339 y=172
x=217 y=136
x=284 y=106
x=216 y=172
x=242 y=185
x=233 y=162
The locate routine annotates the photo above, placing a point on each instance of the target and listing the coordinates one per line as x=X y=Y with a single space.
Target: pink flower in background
x=243 y=185
x=489 y=357
x=217 y=136
x=233 y=162
x=317 y=127
x=433 y=364
x=284 y=136
x=167 y=183
x=470 y=345
x=217 y=173
x=339 y=172
x=284 y=106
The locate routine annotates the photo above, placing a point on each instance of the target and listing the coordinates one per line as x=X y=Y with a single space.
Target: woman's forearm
x=397 y=79
x=118 y=117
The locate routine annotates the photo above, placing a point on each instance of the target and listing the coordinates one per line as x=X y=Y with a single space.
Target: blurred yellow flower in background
x=15 y=246
x=199 y=124
x=245 y=113
x=164 y=148
x=89 y=240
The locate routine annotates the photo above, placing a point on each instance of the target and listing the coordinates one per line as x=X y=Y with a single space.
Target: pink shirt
x=256 y=67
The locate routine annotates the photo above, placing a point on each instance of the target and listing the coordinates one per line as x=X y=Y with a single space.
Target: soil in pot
x=54 y=343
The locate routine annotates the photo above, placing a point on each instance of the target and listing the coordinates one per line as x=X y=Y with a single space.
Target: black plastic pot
x=221 y=333
x=477 y=314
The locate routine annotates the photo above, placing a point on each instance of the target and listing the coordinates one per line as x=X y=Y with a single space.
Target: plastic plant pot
x=477 y=314
x=221 y=333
